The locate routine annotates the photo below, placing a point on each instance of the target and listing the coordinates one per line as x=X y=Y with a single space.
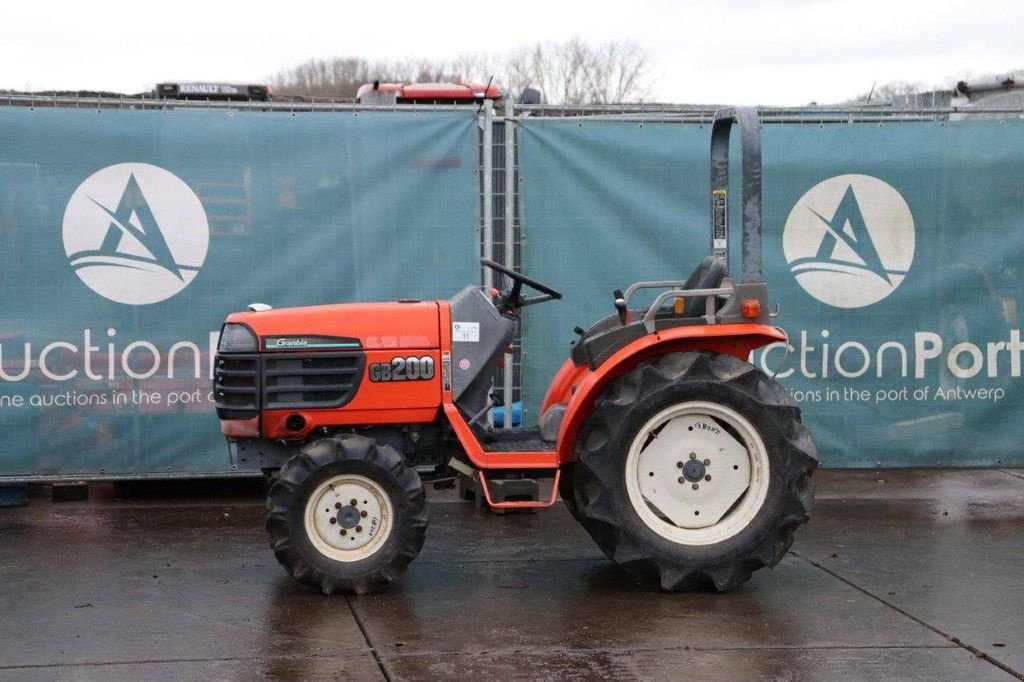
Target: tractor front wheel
x=693 y=469
x=346 y=514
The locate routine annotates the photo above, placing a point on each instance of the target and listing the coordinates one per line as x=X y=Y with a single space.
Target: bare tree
x=888 y=91
x=574 y=72
x=479 y=67
x=570 y=72
x=618 y=72
x=340 y=77
x=558 y=69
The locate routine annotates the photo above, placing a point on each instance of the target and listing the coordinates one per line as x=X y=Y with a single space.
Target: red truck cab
x=427 y=93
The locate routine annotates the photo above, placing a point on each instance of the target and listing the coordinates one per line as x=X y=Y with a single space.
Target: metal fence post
x=487 y=200
x=509 y=243
x=486 y=189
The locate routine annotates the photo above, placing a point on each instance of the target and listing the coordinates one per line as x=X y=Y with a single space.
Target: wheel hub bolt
x=359 y=529
x=708 y=477
x=337 y=505
x=693 y=455
x=695 y=486
x=682 y=480
x=333 y=520
x=344 y=532
x=707 y=462
x=694 y=470
x=347 y=517
x=679 y=465
x=352 y=502
x=363 y=513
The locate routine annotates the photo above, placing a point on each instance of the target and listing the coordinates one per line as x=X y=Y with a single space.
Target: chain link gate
x=501 y=238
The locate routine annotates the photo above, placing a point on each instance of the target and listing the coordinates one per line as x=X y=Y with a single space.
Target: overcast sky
x=737 y=51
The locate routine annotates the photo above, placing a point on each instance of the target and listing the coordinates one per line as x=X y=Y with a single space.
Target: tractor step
x=501 y=489
x=497 y=486
x=503 y=494
x=516 y=440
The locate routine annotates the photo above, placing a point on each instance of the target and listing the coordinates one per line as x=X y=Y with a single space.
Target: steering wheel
x=513 y=300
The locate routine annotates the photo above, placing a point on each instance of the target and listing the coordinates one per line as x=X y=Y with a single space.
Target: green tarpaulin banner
x=127 y=236
x=895 y=253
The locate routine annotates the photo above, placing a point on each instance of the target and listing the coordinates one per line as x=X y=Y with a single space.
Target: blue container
x=498 y=415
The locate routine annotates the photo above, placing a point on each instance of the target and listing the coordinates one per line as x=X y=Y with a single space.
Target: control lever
x=620 y=307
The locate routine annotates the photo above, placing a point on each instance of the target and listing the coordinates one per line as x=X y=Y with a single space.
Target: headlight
x=236 y=338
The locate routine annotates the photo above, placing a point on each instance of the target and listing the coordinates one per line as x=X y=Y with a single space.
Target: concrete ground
x=900 y=575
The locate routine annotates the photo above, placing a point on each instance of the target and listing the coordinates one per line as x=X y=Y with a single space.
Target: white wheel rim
x=721 y=444
x=348 y=517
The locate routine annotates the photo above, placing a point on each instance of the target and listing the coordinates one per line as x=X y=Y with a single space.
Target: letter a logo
x=135 y=233
x=849 y=241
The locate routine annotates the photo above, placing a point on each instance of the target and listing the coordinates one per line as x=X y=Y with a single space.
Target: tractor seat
x=707 y=275
x=608 y=334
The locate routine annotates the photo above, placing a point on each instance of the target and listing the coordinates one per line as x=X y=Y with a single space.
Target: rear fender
x=732 y=339
x=562 y=385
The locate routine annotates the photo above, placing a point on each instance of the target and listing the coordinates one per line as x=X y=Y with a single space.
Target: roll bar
x=750 y=150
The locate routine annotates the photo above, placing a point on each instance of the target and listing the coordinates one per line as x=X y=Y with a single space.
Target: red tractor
x=685 y=463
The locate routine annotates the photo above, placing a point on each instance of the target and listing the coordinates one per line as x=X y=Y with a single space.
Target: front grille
x=236 y=386
x=309 y=380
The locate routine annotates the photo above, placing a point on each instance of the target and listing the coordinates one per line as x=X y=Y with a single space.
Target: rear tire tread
x=598 y=463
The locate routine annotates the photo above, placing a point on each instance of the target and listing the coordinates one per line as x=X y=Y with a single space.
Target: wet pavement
x=900 y=575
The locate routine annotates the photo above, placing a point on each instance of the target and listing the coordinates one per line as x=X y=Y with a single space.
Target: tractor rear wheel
x=346 y=514
x=693 y=469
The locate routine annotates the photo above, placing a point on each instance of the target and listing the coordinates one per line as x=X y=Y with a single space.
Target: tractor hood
x=344 y=326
